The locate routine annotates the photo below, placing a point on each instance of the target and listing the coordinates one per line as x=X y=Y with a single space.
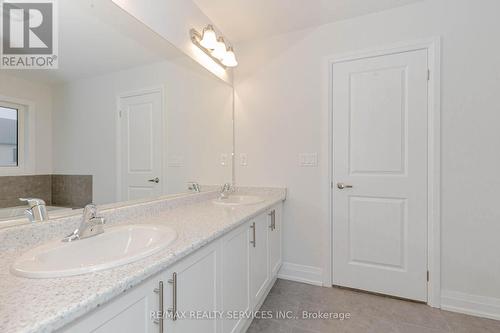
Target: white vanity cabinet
x=236 y=276
x=259 y=258
x=229 y=275
x=274 y=232
x=130 y=312
x=193 y=292
x=265 y=252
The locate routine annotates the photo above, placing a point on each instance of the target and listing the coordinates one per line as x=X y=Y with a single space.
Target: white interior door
x=141 y=145
x=380 y=149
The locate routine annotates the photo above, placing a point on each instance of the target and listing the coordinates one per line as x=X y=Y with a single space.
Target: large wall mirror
x=126 y=116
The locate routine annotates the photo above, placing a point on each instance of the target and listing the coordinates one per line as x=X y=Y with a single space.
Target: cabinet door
x=259 y=264
x=236 y=276
x=132 y=312
x=194 y=291
x=275 y=258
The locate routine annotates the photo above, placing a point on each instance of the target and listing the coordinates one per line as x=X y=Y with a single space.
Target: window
x=9 y=136
x=16 y=145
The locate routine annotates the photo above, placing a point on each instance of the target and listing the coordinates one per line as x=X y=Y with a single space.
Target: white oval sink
x=235 y=200
x=115 y=247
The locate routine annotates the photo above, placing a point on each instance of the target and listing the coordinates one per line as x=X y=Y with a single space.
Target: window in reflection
x=8 y=136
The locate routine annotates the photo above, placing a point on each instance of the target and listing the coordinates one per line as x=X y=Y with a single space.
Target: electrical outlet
x=175 y=161
x=223 y=159
x=243 y=159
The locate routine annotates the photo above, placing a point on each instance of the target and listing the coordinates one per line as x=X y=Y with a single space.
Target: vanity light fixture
x=220 y=49
x=209 y=38
x=230 y=58
x=215 y=47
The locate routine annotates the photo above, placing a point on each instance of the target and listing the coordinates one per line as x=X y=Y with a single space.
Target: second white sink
x=115 y=247
x=235 y=200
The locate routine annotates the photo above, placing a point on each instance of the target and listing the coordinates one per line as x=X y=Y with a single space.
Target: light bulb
x=220 y=49
x=209 y=39
x=229 y=59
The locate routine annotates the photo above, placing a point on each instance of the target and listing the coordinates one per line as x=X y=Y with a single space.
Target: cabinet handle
x=173 y=282
x=273 y=220
x=159 y=291
x=253 y=242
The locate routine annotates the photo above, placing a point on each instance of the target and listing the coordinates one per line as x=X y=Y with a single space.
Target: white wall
x=280 y=113
x=40 y=95
x=198 y=125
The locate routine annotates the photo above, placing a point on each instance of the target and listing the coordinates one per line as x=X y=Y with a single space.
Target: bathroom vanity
x=221 y=266
x=233 y=273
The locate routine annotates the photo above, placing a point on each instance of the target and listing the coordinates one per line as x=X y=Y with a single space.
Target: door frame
x=433 y=47
x=155 y=89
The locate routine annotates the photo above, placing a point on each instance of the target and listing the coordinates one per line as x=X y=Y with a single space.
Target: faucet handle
x=89 y=212
x=96 y=221
x=90 y=225
x=32 y=202
x=29 y=214
x=194 y=186
x=37 y=210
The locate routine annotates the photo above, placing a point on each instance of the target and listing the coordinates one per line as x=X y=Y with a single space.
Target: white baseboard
x=301 y=273
x=480 y=306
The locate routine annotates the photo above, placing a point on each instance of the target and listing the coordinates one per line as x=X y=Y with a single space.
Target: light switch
x=175 y=161
x=308 y=159
x=243 y=159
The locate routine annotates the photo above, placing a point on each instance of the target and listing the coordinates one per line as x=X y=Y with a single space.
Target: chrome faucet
x=194 y=187
x=37 y=211
x=91 y=225
x=223 y=194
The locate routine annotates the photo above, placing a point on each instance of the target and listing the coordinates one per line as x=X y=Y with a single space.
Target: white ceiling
x=251 y=19
x=97 y=39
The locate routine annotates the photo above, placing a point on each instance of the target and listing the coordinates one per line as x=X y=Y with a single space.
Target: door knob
x=342 y=186
x=154 y=180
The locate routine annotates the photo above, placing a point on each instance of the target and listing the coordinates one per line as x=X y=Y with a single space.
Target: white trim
x=434 y=175
x=155 y=89
x=301 y=273
x=433 y=47
x=26 y=155
x=481 y=306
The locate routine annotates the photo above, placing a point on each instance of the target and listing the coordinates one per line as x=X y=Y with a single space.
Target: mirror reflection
x=126 y=116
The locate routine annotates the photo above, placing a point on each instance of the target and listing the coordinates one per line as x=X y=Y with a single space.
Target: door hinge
x=331 y=184
x=428 y=75
x=428 y=274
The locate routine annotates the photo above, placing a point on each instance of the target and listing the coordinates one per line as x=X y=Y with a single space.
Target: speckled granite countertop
x=45 y=305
